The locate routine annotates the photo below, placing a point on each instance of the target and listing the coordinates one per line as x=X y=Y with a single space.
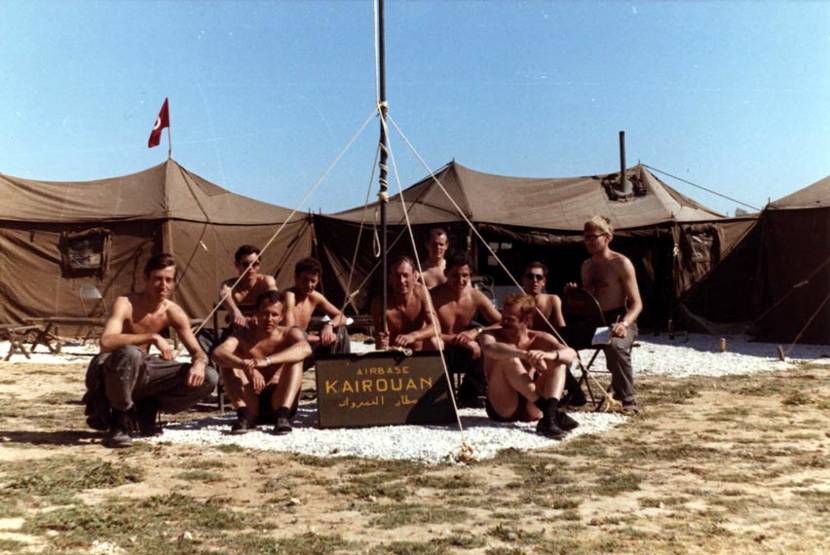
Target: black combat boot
x=548 y=425
x=118 y=435
x=242 y=426
x=146 y=416
x=565 y=421
x=283 y=421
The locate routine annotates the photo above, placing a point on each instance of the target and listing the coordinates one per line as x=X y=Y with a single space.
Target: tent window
x=701 y=247
x=86 y=252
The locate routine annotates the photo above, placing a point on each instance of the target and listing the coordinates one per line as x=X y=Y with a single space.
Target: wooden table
x=49 y=331
x=17 y=335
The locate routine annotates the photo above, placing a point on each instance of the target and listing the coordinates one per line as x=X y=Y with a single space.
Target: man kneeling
x=525 y=370
x=263 y=366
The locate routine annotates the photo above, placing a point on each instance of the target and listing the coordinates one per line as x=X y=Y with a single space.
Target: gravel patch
x=700 y=355
x=430 y=444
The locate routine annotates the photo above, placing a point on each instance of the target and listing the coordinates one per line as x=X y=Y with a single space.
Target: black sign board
x=382 y=388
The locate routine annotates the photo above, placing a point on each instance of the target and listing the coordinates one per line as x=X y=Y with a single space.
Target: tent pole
x=383 y=197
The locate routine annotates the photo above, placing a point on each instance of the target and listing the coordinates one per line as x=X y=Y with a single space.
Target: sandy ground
x=737 y=463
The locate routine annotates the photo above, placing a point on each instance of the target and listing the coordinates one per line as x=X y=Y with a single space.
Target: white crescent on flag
x=157 y=125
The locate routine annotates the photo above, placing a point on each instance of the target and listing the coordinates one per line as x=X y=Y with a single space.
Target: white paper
x=602 y=336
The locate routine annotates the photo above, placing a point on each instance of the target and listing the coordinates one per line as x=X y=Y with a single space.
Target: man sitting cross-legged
x=138 y=385
x=407 y=312
x=263 y=365
x=525 y=370
x=457 y=303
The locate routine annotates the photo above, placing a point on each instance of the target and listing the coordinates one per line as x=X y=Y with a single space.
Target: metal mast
x=383 y=197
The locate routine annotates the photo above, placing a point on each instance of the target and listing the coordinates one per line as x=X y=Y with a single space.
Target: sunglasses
x=535 y=277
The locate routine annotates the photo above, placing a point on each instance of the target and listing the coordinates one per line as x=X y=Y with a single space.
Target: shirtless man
x=609 y=277
x=525 y=370
x=240 y=302
x=456 y=304
x=138 y=385
x=534 y=281
x=264 y=359
x=407 y=312
x=437 y=246
x=306 y=300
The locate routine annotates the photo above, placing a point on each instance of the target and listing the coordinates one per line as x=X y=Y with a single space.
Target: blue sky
x=734 y=96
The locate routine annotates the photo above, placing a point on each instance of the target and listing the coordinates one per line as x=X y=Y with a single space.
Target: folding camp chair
x=583 y=316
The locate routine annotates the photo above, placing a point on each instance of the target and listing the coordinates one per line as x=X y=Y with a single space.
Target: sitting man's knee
x=128 y=355
x=567 y=355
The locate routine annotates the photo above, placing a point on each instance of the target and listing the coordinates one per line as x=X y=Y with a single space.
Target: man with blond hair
x=263 y=366
x=525 y=370
x=609 y=276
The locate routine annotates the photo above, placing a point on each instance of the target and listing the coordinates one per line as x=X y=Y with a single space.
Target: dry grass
x=736 y=464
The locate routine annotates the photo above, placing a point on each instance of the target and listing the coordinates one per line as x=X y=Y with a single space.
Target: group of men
x=515 y=359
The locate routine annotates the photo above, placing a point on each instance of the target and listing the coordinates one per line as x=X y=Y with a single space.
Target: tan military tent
x=61 y=241
x=671 y=239
x=793 y=285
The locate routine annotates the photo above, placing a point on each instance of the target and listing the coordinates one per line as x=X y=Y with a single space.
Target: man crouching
x=262 y=366
x=525 y=370
x=135 y=385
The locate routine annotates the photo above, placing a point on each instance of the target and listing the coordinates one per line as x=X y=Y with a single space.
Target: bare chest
x=143 y=322
x=303 y=312
x=600 y=276
x=455 y=316
x=245 y=296
x=406 y=318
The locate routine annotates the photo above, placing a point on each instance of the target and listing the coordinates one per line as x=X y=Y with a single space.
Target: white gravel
x=700 y=355
x=430 y=444
x=690 y=355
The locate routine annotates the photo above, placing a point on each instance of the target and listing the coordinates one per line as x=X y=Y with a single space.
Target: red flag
x=161 y=122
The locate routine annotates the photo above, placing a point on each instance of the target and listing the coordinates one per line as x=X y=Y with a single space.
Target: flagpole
x=169 y=140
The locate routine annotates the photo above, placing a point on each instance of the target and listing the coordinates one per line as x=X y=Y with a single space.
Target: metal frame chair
x=583 y=315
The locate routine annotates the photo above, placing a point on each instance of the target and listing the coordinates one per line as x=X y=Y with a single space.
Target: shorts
x=519 y=415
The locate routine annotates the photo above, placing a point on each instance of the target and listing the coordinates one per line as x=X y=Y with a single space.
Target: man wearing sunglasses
x=549 y=313
x=534 y=281
x=241 y=302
